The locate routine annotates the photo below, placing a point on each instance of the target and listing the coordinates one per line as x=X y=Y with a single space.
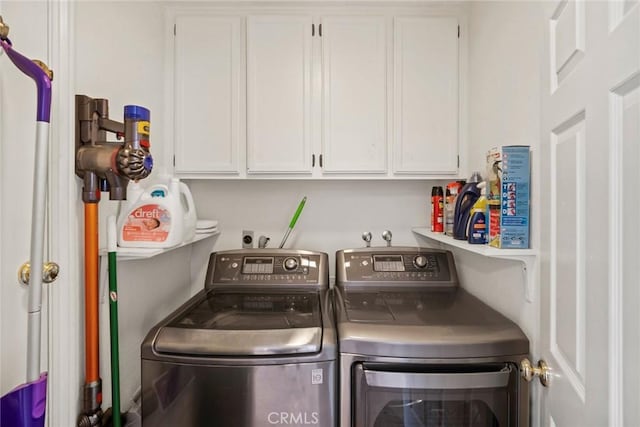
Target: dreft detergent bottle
x=154 y=220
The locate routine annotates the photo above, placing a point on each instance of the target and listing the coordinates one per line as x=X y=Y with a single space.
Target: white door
x=354 y=94
x=426 y=96
x=279 y=94
x=209 y=90
x=590 y=199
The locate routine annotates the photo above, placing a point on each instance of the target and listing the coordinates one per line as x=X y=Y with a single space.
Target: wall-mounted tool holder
x=105 y=165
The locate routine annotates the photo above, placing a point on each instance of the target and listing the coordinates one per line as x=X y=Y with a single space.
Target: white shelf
x=130 y=254
x=484 y=250
x=526 y=257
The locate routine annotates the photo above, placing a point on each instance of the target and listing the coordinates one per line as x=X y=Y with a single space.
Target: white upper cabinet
x=316 y=92
x=426 y=95
x=354 y=94
x=279 y=94
x=208 y=89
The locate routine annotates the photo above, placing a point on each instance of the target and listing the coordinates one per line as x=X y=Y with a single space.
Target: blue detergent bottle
x=468 y=195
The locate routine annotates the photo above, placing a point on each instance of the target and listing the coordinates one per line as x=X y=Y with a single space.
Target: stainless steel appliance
x=255 y=347
x=416 y=350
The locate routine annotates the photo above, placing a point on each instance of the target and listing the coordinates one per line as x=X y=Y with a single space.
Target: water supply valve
x=366 y=236
x=386 y=235
x=101 y=163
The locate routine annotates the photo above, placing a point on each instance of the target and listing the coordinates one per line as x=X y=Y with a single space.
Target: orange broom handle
x=92 y=373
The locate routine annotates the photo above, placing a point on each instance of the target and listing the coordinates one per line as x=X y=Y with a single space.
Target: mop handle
x=293 y=221
x=112 y=247
x=37 y=253
x=38 y=214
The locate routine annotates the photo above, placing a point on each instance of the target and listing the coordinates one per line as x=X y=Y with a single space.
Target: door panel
x=589 y=160
x=568 y=38
x=567 y=250
x=426 y=96
x=278 y=94
x=354 y=94
x=208 y=94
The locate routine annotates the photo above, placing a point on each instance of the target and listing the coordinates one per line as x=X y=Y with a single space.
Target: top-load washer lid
x=446 y=323
x=248 y=323
x=406 y=302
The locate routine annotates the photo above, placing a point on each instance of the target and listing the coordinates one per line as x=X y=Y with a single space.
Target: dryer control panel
x=395 y=265
x=263 y=267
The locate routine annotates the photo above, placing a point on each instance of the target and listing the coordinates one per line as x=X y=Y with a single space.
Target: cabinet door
x=426 y=95
x=354 y=94
x=208 y=88
x=279 y=94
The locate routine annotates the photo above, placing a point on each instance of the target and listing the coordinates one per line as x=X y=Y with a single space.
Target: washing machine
x=255 y=347
x=417 y=350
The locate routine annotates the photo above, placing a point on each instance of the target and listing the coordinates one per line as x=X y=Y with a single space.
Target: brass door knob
x=50 y=272
x=542 y=371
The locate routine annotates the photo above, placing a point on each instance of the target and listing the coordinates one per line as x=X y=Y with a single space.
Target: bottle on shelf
x=477 y=232
x=451 y=194
x=437 y=210
x=464 y=202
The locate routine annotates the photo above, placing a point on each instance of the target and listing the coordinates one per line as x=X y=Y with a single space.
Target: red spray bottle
x=437 y=210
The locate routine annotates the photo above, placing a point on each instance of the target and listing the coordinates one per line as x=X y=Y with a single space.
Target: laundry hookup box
x=508 y=196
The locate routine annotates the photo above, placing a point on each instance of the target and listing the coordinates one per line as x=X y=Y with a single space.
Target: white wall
x=334 y=217
x=27 y=23
x=505 y=72
x=505 y=69
x=120 y=56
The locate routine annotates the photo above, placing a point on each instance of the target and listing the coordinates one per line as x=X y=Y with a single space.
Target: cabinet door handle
x=320 y=160
x=313 y=160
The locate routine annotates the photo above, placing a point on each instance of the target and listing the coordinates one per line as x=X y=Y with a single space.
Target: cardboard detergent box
x=508 y=196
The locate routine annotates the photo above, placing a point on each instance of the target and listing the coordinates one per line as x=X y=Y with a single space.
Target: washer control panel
x=419 y=265
x=274 y=268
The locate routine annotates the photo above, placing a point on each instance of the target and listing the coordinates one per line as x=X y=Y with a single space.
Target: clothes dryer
x=417 y=350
